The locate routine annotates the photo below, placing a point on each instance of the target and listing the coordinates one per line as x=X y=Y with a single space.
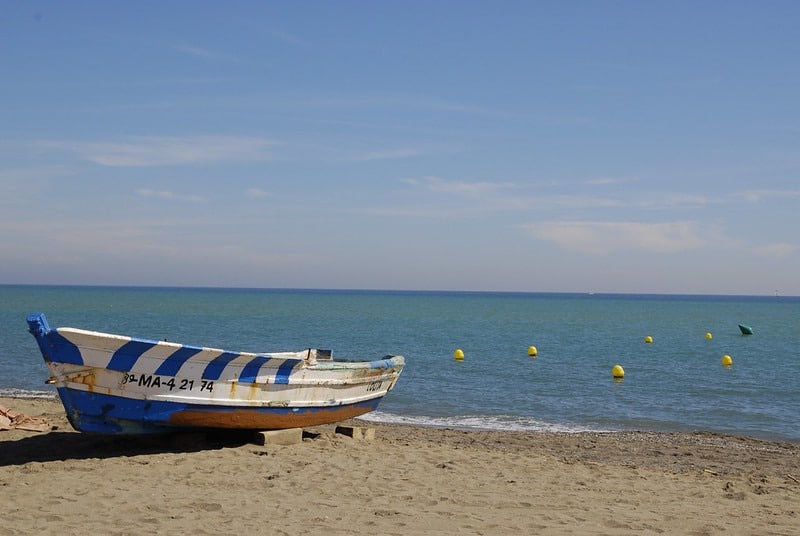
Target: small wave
x=12 y=392
x=499 y=423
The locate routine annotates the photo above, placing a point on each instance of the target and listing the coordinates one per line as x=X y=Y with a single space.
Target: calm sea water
x=676 y=383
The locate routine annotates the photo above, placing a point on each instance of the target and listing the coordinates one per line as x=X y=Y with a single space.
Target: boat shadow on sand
x=62 y=446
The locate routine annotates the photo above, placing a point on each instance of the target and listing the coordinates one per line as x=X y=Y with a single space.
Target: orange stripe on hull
x=247 y=419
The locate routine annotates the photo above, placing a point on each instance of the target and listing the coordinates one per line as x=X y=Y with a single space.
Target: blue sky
x=524 y=146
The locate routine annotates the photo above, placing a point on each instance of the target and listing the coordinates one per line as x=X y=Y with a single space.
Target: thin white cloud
x=256 y=193
x=779 y=249
x=567 y=202
x=675 y=200
x=756 y=196
x=603 y=181
x=24 y=176
x=507 y=196
x=169 y=196
x=442 y=105
x=23 y=188
x=413 y=212
x=121 y=245
x=399 y=102
x=169 y=151
x=471 y=189
x=600 y=238
x=459 y=198
x=205 y=53
x=390 y=154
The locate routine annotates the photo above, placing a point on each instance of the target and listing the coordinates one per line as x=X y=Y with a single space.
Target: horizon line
x=776 y=294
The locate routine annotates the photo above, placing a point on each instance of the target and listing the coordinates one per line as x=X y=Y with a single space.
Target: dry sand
x=408 y=480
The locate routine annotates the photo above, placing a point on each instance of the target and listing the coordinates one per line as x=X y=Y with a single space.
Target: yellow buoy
x=458 y=355
x=727 y=360
x=618 y=372
x=709 y=336
x=648 y=339
x=532 y=351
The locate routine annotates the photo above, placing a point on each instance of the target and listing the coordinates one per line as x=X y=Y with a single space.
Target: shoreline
x=554 y=430
x=408 y=480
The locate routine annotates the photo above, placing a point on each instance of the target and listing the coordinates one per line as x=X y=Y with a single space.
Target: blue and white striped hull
x=116 y=384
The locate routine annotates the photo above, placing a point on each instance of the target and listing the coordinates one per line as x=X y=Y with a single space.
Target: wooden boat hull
x=116 y=384
x=97 y=412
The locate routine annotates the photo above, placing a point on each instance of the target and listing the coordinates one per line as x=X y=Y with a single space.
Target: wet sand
x=407 y=480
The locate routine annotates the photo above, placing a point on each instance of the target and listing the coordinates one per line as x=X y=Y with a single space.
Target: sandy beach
x=407 y=480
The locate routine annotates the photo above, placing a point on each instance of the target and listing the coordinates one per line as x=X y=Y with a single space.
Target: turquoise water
x=675 y=383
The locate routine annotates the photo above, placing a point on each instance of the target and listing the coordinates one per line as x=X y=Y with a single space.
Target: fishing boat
x=124 y=385
x=745 y=329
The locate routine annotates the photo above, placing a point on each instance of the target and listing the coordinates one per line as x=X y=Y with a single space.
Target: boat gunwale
x=310 y=361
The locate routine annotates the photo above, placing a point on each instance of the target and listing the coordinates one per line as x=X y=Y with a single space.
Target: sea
x=677 y=382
